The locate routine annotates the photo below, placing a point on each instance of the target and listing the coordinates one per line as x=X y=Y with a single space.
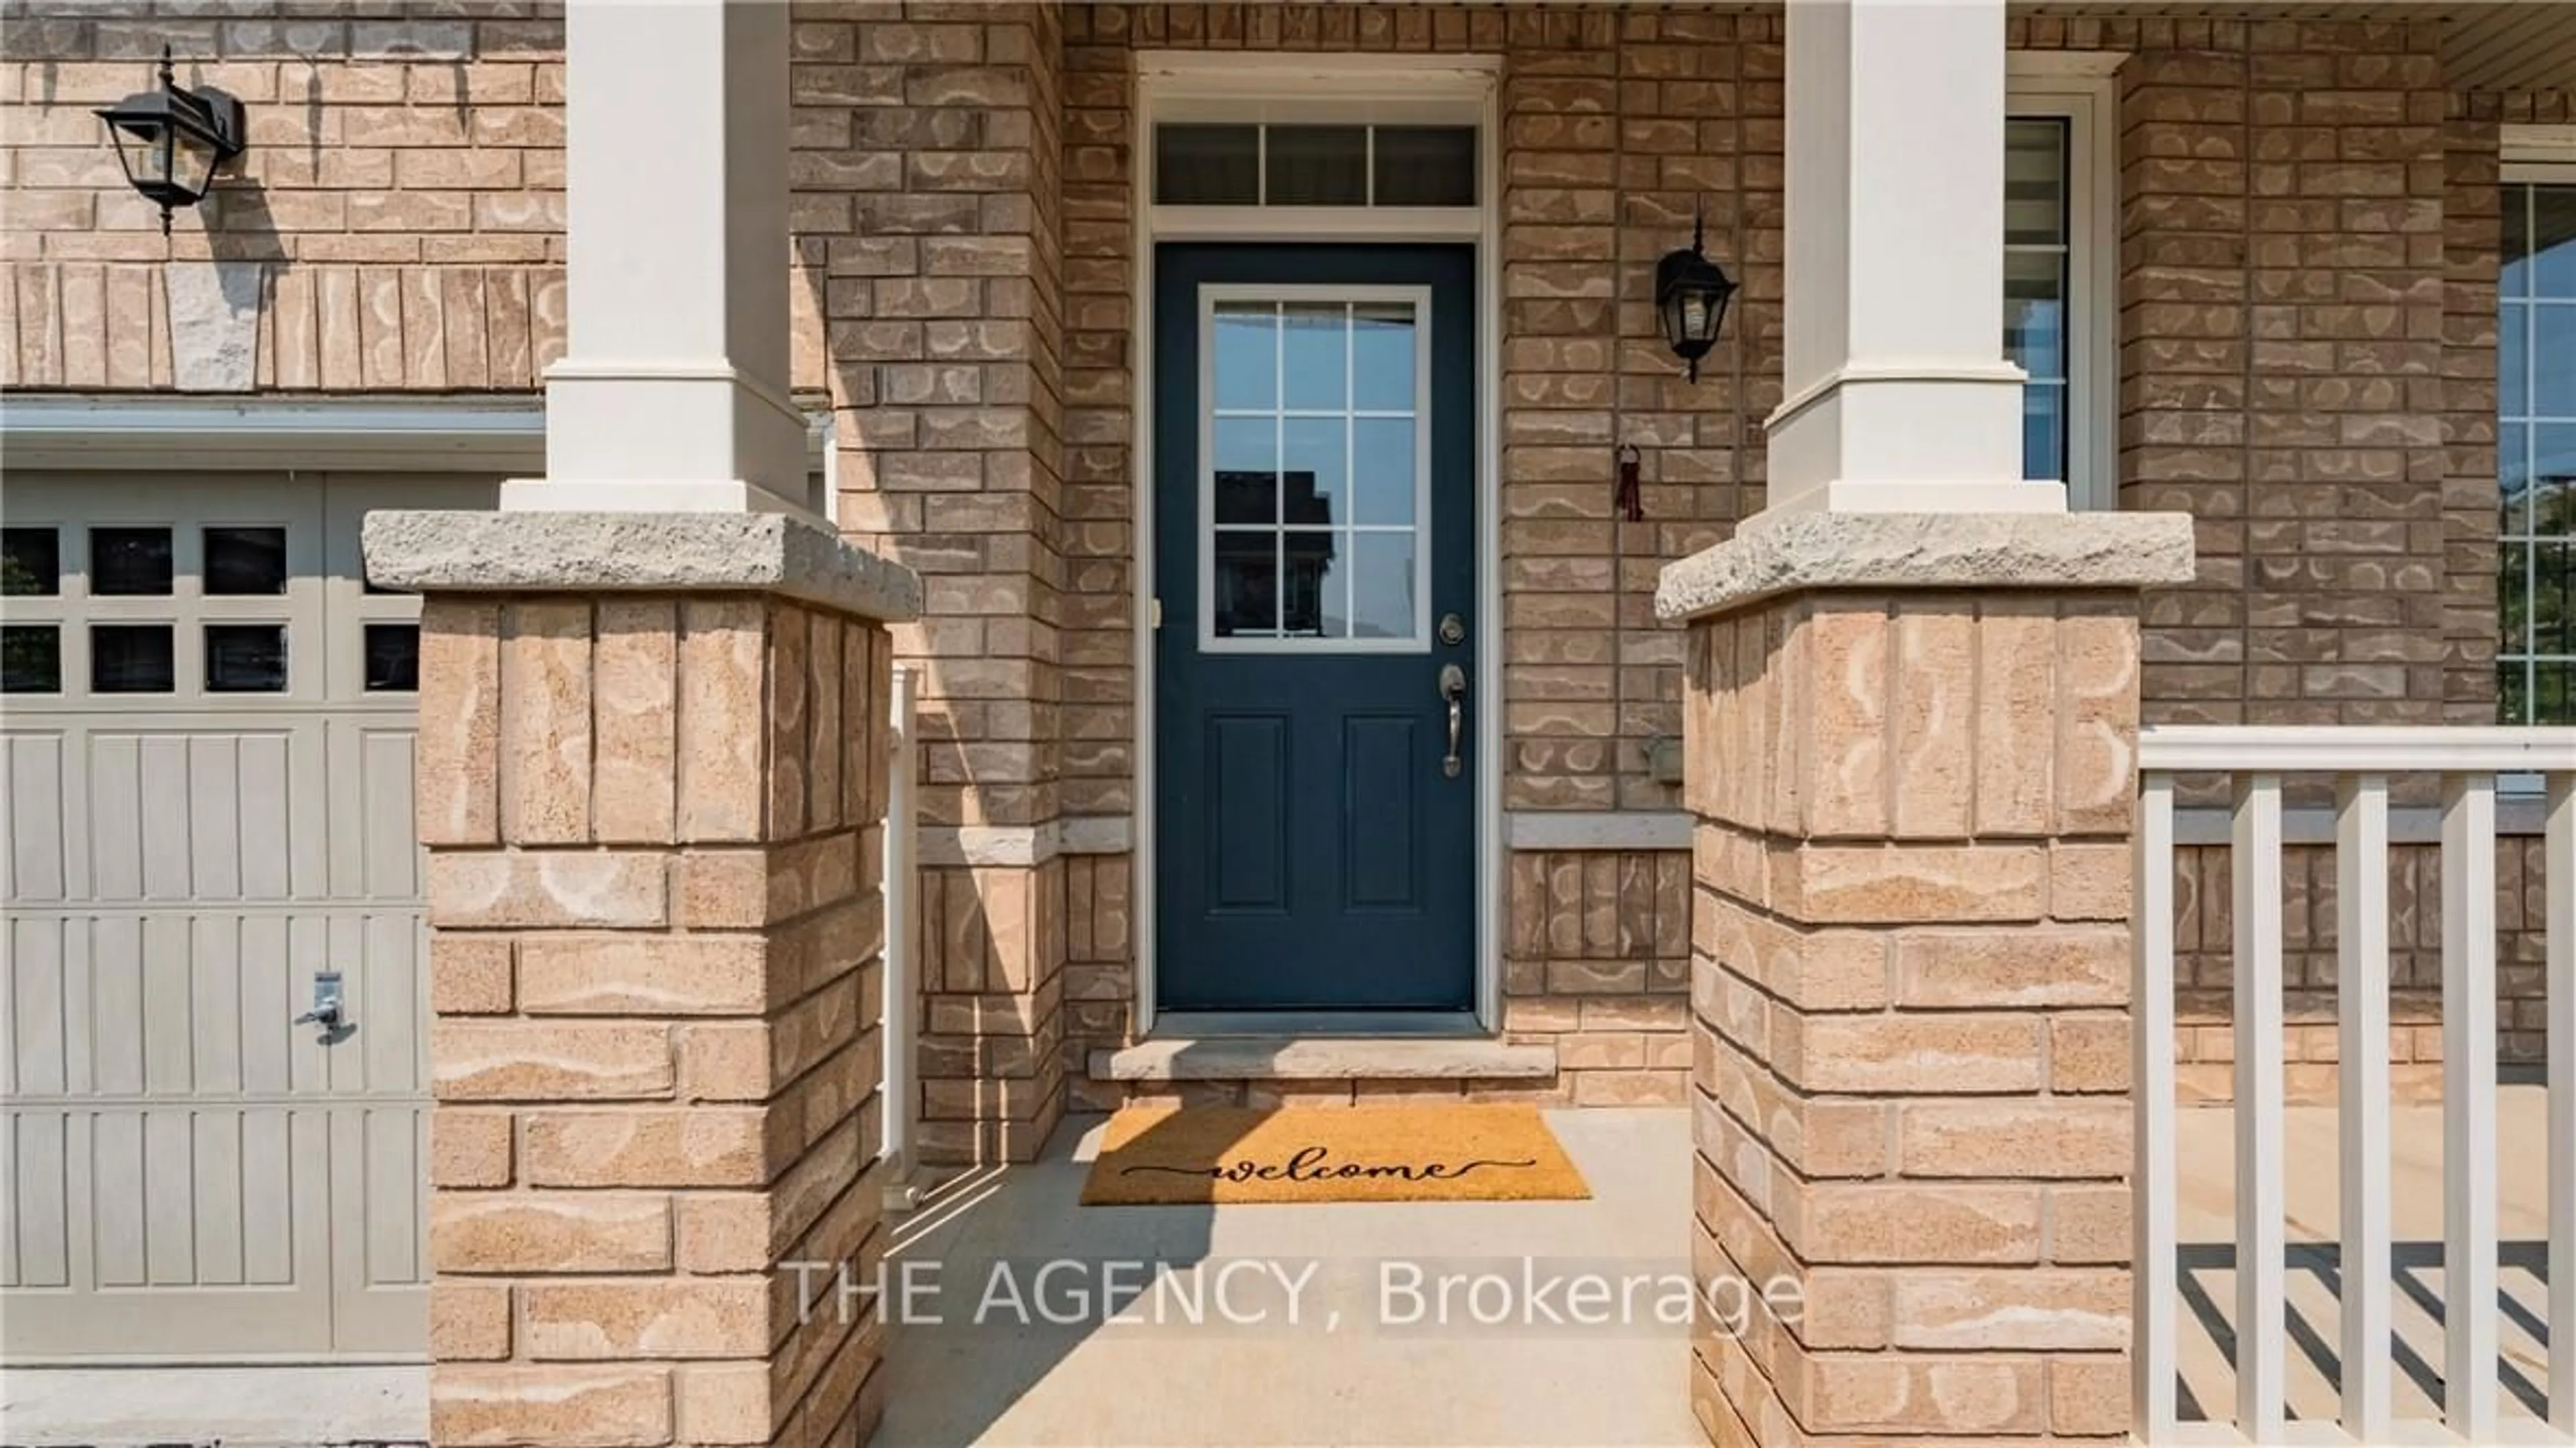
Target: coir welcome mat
x=1167 y=1156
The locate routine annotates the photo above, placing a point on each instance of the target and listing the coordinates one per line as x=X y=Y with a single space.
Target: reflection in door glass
x=1246 y=356
x=1315 y=470
x=1382 y=586
x=1310 y=592
x=1311 y=484
x=1247 y=583
x=1315 y=356
x=1383 y=462
x=1382 y=356
x=1247 y=468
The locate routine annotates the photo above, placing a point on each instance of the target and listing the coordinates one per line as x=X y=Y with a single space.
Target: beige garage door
x=206 y=753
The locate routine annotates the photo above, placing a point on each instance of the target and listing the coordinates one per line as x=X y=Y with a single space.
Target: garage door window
x=246 y=561
x=245 y=658
x=31 y=654
x=393 y=658
x=130 y=658
x=31 y=659
x=129 y=562
x=31 y=562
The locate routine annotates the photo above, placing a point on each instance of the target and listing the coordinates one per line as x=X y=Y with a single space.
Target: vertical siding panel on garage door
x=391 y=854
x=268 y=843
x=115 y=816
x=216 y=1189
x=164 y=784
x=215 y=843
x=33 y=868
x=187 y=1171
x=214 y=1003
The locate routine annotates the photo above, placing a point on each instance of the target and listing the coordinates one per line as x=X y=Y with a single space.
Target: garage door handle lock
x=326 y=1012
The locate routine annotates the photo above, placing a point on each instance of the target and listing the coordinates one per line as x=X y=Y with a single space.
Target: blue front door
x=1314 y=543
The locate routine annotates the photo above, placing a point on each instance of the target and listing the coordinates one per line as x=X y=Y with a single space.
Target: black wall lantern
x=1691 y=292
x=172 y=139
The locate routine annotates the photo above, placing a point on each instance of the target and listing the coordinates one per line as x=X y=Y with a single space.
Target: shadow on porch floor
x=1351 y=1369
x=2207 y=1202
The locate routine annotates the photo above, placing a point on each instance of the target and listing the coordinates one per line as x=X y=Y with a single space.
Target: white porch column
x=1896 y=395
x=672 y=395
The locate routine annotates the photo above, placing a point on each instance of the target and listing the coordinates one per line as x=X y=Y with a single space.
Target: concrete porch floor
x=1349 y=1371
x=1020 y=1379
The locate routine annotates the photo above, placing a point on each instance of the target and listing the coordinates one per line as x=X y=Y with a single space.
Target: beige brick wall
x=654 y=841
x=396 y=224
x=2282 y=300
x=930 y=223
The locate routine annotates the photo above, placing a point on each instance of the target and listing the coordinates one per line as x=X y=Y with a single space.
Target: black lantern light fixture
x=1691 y=293
x=172 y=139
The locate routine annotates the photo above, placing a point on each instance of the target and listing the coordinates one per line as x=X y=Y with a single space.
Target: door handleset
x=1453 y=690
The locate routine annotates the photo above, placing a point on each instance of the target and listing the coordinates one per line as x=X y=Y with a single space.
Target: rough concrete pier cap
x=1775 y=553
x=548 y=552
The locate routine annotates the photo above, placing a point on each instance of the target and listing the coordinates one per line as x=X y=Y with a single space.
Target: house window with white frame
x=2536 y=455
x=2058 y=282
x=2038 y=250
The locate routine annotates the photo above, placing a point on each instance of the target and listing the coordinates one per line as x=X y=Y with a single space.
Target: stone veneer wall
x=1910 y=990
x=654 y=845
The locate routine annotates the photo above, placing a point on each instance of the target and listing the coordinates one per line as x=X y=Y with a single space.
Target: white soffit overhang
x=2487 y=45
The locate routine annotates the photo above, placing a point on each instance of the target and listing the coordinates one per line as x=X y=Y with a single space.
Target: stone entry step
x=1306 y=1058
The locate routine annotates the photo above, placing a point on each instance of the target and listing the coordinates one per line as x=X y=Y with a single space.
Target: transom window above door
x=1232 y=164
x=1314 y=427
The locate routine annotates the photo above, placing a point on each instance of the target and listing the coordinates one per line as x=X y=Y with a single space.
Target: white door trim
x=1328 y=87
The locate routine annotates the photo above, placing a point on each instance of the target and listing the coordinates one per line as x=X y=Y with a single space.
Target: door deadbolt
x=1453 y=630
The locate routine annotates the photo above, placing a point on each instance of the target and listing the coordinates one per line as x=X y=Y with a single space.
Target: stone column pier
x=1911 y=744
x=651 y=780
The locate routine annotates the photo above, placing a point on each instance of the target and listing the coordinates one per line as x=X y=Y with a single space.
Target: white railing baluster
x=2558 y=870
x=2154 y=1363
x=2260 y=1213
x=2362 y=1096
x=2468 y=1106
x=2485 y=773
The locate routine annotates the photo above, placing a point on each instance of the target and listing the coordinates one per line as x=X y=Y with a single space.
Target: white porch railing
x=2362 y=763
x=902 y=886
